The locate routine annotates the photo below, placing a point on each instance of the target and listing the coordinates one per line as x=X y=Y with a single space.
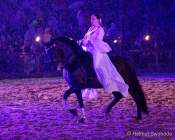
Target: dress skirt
x=108 y=75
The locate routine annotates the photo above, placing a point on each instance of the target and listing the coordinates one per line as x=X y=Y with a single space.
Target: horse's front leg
x=67 y=93
x=80 y=101
x=66 y=106
x=81 y=105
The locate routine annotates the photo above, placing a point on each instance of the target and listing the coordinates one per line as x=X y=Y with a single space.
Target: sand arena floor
x=32 y=109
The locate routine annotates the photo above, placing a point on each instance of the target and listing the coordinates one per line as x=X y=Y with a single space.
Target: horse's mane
x=72 y=44
x=82 y=57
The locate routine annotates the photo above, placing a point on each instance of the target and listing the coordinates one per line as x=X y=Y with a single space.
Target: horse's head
x=62 y=51
x=55 y=55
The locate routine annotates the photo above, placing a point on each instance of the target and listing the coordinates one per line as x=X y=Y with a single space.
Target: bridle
x=50 y=47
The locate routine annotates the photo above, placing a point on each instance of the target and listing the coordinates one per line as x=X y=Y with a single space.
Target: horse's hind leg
x=138 y=104
x=117 y=97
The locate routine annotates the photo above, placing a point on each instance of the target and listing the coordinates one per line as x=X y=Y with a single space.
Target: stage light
x=147 y=37
x=70 y=38
x=37 y=39
x=115 y=41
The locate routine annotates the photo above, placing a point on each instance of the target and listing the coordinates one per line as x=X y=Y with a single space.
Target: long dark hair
x=98 y=17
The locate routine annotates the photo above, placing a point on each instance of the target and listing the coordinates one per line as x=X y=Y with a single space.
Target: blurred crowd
x=126 y=24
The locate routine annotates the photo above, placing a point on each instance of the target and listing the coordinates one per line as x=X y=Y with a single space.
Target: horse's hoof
x=82 y=120
x=107 y=115
x=146 y=112
x=73 y=112
x=138 y=117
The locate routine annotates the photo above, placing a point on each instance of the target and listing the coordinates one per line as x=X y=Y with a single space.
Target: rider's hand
x=79 y=42
x=84 y=42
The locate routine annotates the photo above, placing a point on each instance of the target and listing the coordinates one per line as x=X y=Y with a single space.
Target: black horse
x=79 y=65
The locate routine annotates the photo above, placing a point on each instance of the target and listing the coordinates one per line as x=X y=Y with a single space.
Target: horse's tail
x=130 y=77
x=135 y=84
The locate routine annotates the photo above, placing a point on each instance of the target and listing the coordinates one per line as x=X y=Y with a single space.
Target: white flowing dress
x=106 y=72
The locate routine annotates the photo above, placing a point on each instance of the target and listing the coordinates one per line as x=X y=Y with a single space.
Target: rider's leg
x=117 y=97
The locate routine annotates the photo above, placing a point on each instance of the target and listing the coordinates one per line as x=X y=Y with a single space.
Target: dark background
x=126 y=21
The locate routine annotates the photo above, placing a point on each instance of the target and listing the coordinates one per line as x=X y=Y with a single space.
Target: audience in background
x=125 y=21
